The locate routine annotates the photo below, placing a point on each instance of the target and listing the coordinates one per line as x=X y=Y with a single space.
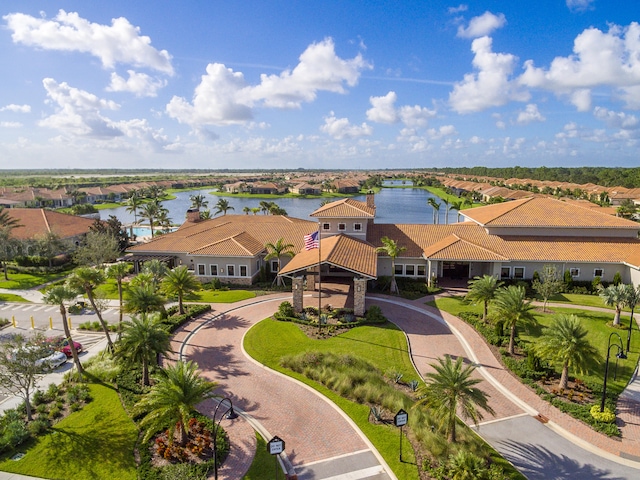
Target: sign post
x=275 y=447
x=400 y=420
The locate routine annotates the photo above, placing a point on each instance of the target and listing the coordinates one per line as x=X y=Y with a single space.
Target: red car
x=62 y=344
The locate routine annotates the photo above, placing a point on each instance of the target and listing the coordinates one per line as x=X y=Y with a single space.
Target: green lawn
x=96 y=442
x=263 y=466
x=385 y=347
x=596 y=325
x=582 y=299
x=9 y=297
x=25 y=281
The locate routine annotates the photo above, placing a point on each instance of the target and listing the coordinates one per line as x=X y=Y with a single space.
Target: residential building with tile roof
x=34 y=222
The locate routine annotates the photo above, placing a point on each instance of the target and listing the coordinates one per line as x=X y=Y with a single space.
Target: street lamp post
x=620 y=355
x=229 y=414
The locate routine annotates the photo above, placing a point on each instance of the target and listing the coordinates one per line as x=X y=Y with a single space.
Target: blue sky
x=332 y=84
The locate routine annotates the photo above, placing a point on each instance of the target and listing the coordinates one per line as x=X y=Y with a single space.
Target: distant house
x=268 y=188
x=346 y=186
x=35 y=222
x=236 y=187
x=306 y=189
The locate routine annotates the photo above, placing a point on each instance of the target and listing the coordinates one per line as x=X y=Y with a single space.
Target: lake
x=393 y=205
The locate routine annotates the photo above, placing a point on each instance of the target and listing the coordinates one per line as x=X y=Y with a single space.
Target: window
x=326 y=226
x=575 y=272
x=213 y=270
x=422 y=270
x=342 y=227
x=598 y=272
x=399 y=269
x=243 y=270
x=505 y=272
x=518 y=273
x=231 y=270
x=274 y=266
x=201 y=269
x=357 y=227
x=410 y=270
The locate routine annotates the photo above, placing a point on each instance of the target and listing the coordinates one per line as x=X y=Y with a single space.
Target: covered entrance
x=455 y=270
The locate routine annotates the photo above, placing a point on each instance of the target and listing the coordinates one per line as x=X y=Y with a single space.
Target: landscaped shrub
x=38 y=426
x=617 y=279
x=13 y=434
x=173 y=322
x=605 y=417
x=374 y=315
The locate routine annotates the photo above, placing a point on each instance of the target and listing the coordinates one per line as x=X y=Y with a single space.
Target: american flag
x=311 y=241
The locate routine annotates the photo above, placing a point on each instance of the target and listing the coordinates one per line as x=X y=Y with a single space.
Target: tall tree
x=198 y=201
x=565 y=342
x=446 y=210
x=278 y=250
x=150 y=211
x=97 y=248
x=511 y=307
x=483 y=289
x=179 y=282
x=157 y=269
x=223 y=206
x=548 y=285
x=86 y=280
x=9 y=248
x=143 y=299
x=450 y=389
x=436 y=209
x=48 y=245
x=457 y=206
x=391 y=249
x=60 y=295
x=6 y=220
x=118 y=272
x=143 y=339
x=171 y=401
x=134 y=202
x=614 y=296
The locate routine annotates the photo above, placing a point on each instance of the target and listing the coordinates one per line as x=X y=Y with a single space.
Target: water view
x=393 y=205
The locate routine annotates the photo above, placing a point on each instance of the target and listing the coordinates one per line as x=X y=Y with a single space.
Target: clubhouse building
x=509 y=240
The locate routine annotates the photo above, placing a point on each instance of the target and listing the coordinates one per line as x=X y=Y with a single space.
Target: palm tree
x=223 y=206
x=511 y=308
x=59 y=295
x=85 y=280
x=171 y=401
x=446 y=210
x=7 y=221
x=483 y=289
x=246 y=210
x=614 y=296
x=133 y=204
x=205 y=215
x=143 y=339
x=391 y=249
x=450 y=389
x=163 y=220
x=9 y=247
x=179 y=282
x=157 y=269
x=118 y=272
x=632 y=298
x=565 y=342
x=143 y=299
x=255 y=210
x=150 y=211
x=278 y=250
x=265 y=206
x=457 y=206
x=198 y=201
x=436 y=209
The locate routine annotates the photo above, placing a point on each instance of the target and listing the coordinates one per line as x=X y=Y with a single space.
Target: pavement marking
x=108 y=310
x=28 y=307
x=489 y=422
x=37 y=309
x=6 y=307
x=345 y=455
x=358 y=474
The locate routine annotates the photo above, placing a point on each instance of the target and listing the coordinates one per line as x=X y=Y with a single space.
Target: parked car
x=48 y=359
x=52 y=361
x=62 y=344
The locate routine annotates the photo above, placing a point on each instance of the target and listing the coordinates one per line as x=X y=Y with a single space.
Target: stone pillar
x=311 y=282
x=297 y=288
x=359 y=296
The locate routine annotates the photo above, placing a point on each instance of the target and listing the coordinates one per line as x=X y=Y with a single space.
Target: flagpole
x=319 y=279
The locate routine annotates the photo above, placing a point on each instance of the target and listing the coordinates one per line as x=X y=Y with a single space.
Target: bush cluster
x=173 y=322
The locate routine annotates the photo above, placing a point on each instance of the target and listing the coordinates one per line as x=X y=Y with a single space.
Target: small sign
x=401 y=418
x=275 y=446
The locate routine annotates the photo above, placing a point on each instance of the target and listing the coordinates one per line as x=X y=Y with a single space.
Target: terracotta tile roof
x=341 y=251
x=231 y=235
x=453 y=247
x=38 y=221
x=544 y=212
x=345 y=208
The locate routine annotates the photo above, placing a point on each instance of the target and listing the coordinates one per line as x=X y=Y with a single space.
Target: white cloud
x=599 y=59
x=223 y=97
x=580 y=5
x=616 y=119
x=16 y=108
x=340 y=128
x=383 y=111
x=443 y=131
x=459 y=9
x=491 y=86
x=530 y=114
x=10 y=124
x=119 y=43
x=140 y=84
x=482 y=25
x=78 y=111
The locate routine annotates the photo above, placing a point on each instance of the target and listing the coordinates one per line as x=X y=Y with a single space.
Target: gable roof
x=38 y=221
x=543 y=212
x=345 y=208
x=340 y=251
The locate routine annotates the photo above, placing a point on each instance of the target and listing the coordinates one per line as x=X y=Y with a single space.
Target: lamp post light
x=229 y=414
x=620 y=355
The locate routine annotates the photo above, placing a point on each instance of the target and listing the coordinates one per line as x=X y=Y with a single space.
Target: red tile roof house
x=36 y=222
x=509 y=240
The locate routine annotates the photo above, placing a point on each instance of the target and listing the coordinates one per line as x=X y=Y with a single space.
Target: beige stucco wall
x=349 y=227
